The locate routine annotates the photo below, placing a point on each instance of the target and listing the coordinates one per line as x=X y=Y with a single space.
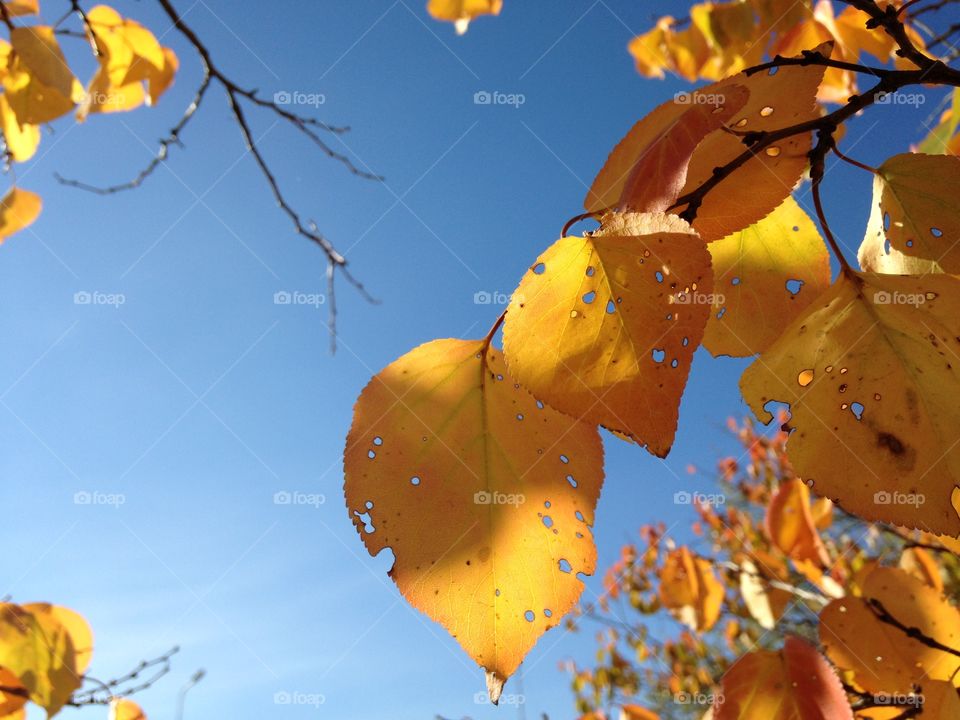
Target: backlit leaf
x=876 y=253
x=18 y=209
x=690 y=590
x=16 y=8
x=870 y=372
x=764 y=602
x=38 y=84
x=764 y=276
x=882 y=656
x=485 y=496
x=13 y=693
x=123 y=709
x=790 y=526
x=461 y=12
x=75 y=625
x=604 y=327
x=795 y=683
x=21 y=140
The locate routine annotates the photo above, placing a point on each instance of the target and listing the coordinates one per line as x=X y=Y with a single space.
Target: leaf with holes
x=861 y=634
x=790 y=526
x=876 y=254
x=689 y=589
x=462 y=12
x=761 y=183
x=764 y=276
x=871 y=373
x=918 y=203
x=604 y=327
x=795 y=683
x=484 y=494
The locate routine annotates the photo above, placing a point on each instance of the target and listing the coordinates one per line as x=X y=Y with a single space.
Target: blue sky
x=198 y=398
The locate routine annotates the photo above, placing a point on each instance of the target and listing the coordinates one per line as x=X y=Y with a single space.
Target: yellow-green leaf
x=485 y=496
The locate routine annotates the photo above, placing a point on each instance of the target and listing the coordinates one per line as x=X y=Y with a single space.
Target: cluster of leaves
x=863 y=607
x=45 y=651
x=133 y=69
x=481 y=470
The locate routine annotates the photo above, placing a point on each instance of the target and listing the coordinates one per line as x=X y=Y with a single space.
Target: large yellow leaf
x=123 y=709
x=604 y=327
x=918 y=201
x=38 y=84
x=39 y=650
x=484 y=494
x=76 y=626
x=21 y=140
x=757 y=187
x=16 y=8
x=37 y=49
x=764 y=276
x=882 y=656
x=870 y=372
x=795 y=683
x=18 y=209
x=461 y=12
x=790 y=526
x=689 y=589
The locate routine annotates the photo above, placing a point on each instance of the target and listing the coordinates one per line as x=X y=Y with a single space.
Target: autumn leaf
x=39 y=650
x=18 y=209
x=484 y=494
x=16 y=8
x=604 y=327
x=124 y=709
x=764 y=276
x=689 y=589
x=943 y=139
x=21 y=139
x=918 y=201
x=795 y=683
x=39 y=85
x=876 y=254
x=790 y=526
x=81 y=636
x=883 y=656
x=764 y=602
x=13 y=693
x=870 y=372
x=757 y=187
x=461 y=12
x=920 y=563
x=635 y=712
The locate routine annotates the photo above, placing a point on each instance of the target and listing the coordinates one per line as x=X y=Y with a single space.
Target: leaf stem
x=493 y=331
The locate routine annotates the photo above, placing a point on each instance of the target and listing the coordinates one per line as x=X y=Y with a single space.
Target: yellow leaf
x=37 y=49
x=13 y=693
x=876 y=254
x=870 y=372
x=920 y=563
x=123 y=709
x=689 y=589
x=919 y=205
x=764 y=603
x=764 y=276
x=789 y=524
x=39 y=86
x=761 y=184
x=18 y=209
x=39 y=650
x=882 y=656
x=635 y=712
x=159 y=82
x=75 y=625
x=854 y=37
x=939 y=139
x=461 y=12
x=604 y=327
x=795 y=683
x=485 y=496
x=21 y=140
x=16 y=8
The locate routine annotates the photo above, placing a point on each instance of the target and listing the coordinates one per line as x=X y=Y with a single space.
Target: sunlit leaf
x=764 y=602
x=39 y=85
x=461 y=12
x=124 y=709
x=21 y=140
x=604 y=327
x=18 y=209
x=485 y=496
x=13 y=693
x=75 y=625
x=790 y=526
x=690 y=590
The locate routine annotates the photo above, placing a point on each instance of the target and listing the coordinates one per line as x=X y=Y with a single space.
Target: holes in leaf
x=741 y=123
x=735 y=281
x=578 y=515
x=685 y=341
x=936 y=232
x=574 y=313
x=659 y=276
x=658 y=355
x=589 y=297
x=548 y=612
x=773 y=70
x=366 y=520
x=548 y=521
x=886 y=221
x=857 y=410
x=564 y=459
x=909 y=243
x=539 y=268
x=611 y=307
x=539 y=405
x=590 y=271
x=378 y=440
x=546 y=504
x=772 y=151
x=805 y=378
x=721 y=313
x=497 y=592
x=415 y=480
x=766 y=112
x=369 y=505
x=371 y=454
x=565 y=566
x=519 y=416
x=571 y=480
x=529 y=616
x=674 y=363
x=793 y=286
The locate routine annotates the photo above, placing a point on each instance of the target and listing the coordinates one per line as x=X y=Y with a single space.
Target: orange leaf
x=790 y=525
x=689 y=589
